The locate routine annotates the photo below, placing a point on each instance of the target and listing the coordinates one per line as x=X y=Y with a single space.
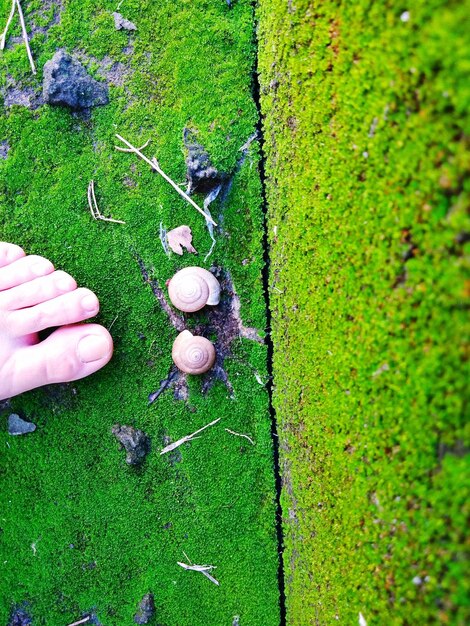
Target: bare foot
x=34 y=297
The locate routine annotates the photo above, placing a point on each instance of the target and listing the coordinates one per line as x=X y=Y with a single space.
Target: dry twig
x=203 y=569
x=10 y=17
x=232 y=432
x=15 y=5
x=155 y=166
x=130 y=149
x=112 y=323
x=93 y=205
x=81 y=621
x=180 y=442
x=25 y=37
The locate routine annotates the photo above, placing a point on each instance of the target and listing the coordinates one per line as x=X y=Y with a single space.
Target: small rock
x=146 y=610
x=135 y=442
x=201 y=174
x=121 y=23
x=67 y=83
x=4 y=149
x=19 y=617
x=17 y=426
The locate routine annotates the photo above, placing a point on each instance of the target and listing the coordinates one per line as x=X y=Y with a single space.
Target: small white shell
x=193 y=354
x=192 y=288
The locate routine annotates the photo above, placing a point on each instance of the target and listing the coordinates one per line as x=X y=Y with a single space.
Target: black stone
x=67 y=83
x=146 y=610
x=201 y=174
x=135 y=442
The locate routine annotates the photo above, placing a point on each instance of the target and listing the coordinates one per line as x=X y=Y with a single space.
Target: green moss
x=366 y=127
x=106 y=534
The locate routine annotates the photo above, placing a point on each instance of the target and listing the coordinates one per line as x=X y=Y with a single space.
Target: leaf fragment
x=179 y=238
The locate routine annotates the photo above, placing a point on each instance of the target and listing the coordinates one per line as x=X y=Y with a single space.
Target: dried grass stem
x=155 y=166
x=180 y=442
x=93 y=206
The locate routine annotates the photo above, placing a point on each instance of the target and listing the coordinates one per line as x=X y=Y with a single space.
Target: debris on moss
x=179 y=238
x=202 y=176
x=120 y=23
x=134 y=441
x=4 y=149
x=20 y=617
x=146 y=609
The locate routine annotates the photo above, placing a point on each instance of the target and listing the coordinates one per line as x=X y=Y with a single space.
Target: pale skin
x=34 y=296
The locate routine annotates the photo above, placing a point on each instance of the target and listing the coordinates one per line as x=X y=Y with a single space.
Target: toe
x=68 y=308
x=9 y=253
x=37 y=291
x=69 y=353
x=24 y=270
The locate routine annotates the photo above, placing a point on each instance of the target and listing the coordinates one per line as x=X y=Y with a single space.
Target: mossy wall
x=366 y=128
x=81 y=532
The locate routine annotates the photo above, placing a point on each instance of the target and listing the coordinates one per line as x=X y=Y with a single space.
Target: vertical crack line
x=255 y=90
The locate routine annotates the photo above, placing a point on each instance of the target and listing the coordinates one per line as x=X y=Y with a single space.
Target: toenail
x=90 y=303
x=92 y=348
x=41 y=268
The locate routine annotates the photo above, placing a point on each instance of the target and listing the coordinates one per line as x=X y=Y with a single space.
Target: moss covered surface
x=81 y=531
x=366 y=126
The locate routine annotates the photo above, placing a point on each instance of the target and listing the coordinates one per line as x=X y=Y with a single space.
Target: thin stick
x=232 y=432
x=129 y=150
x=92 y=203
x=154 y=165
x=112 y=323
x=180 y=442
x=25 y=37
x=81 y=621
x=10 y=17
x=95 y=203
x=203 y=569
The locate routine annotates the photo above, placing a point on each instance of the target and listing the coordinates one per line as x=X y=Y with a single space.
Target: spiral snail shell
x=192 y=354
x=192 y=288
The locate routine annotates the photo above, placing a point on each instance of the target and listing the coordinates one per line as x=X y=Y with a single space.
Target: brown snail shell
x=192 y=288
x=193 y=354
